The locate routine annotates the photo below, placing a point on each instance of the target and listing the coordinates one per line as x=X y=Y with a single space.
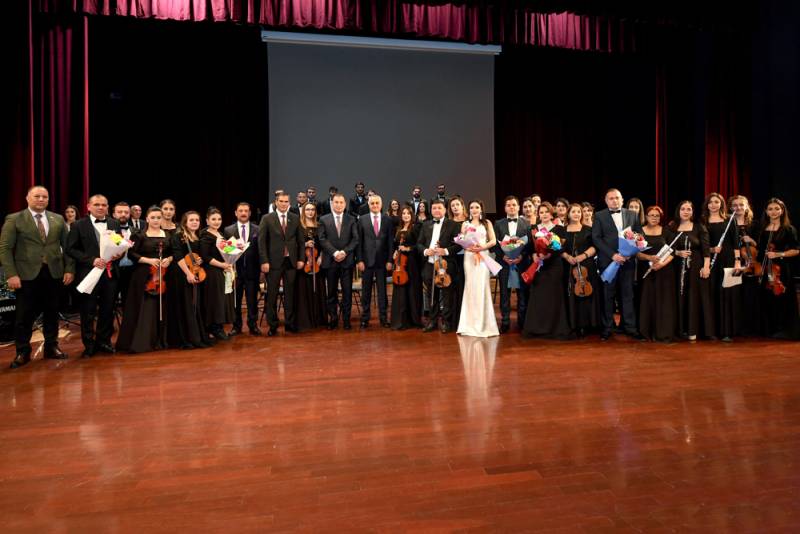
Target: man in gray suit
x=32 y=245
x=374 y=257
x=338 y=237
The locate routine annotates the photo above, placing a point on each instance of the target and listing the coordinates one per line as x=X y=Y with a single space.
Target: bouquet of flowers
x=469 y=238
x=545 y=242
x=512 y=247
x=112 y=245
x=231 y=250
x=630 y=243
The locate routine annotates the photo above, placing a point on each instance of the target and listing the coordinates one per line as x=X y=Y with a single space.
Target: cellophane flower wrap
x=470 y=237
x=628 y=244
x=512 y=247
x=231 y=250
x=545 y=243
x=112 y=244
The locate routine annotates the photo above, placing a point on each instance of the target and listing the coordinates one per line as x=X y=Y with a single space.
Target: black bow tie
x=512 y=220
x=436 y=221
x=123 y=226
x=615 y=211
x=100 y=221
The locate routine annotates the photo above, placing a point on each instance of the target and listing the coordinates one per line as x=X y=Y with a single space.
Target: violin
x=440 y=276
x=312 y=254
x=192 y=260
x=399 y=274
x=582 y=286
x=773 y=271
x=155 y=284
x=751 y=265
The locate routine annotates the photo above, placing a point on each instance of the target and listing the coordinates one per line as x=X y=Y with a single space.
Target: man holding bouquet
x=514 y=262
x=83 y=245
x=608 y=225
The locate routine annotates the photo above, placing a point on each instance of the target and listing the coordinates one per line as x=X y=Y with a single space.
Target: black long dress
x=548 y=318
x=457 y=283
x=695 y=309
x=751 y=292
x=779 y=318
x=407 y=299
x=727 y=302
x=186 y=328
x=583 y=311
x=217 y=306
x=310 y=303
x=141 y=330
x=658 y=313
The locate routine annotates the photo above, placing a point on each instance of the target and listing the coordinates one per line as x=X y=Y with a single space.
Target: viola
x=582 y=286
x=155 y=284
x=400 y=274
x=440 y=276
x=773 y=271
x=192 y=260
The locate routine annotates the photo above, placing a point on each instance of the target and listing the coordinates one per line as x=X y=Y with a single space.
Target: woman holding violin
x=143 y=326
x=547 y=314
x=777 y=245
x=217 y=302
x=406 y=279
x=747 y=230
x=658 y=313
x=582 y=279
x=186 y=327
x=310 y=292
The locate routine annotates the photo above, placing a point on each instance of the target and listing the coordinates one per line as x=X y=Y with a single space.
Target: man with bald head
x=374 y=257
x=31 y=252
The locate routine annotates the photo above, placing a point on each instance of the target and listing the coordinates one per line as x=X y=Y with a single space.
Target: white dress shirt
x=437 y=230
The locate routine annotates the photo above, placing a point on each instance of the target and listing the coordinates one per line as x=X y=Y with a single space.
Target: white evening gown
x=477 y=310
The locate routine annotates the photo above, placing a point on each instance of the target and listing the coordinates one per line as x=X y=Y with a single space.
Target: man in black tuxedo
x=83 y=245
x=280 y=245
x=358 y=200
x=608 y=223
x=441 y=194
x=416 y=198
x=302 y=199
x=326 y=206
x=248 y=272
x=436 y=239
x=515 y=226
x=375 y=247
x=311 y=195
x=125 y=267
x=338 y=237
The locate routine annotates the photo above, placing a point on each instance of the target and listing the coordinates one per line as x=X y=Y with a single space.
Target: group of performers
x=713 y=271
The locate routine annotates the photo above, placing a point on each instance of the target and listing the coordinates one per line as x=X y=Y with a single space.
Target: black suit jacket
x=605 y=234
x=330 y=242
x=324 y=207
x=445 y=200
x=355 y=205
x=83 y=245
x=450 y=229
x=523 y=229
x=247 y=267
x=272 y=240
x=373 y=250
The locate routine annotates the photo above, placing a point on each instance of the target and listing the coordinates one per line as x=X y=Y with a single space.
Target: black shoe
x=20 y=360
x=430 y=327
x=272 y=331
x=254 y=331
x=331 y=326
x=386 y=324
x=290 y=329
x=54 y=353
x=504 y=328
x=235 y=331
x=220 y=335
x=105 y=348
x=89 y=351
x=347 y=325
x=727 y=339
x=604 y=336
x=444 y=329
x=637 y=336
x=364 y=324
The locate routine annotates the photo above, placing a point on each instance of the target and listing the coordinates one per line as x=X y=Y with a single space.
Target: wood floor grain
x=379 y=431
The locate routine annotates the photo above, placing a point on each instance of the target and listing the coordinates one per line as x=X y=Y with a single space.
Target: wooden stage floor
x=405 y=432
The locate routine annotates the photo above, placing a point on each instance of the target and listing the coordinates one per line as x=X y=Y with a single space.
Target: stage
x=402 y=431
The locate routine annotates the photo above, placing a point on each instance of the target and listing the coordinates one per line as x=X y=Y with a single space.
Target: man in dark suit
x=280 y=245
x=375 y=247
x=436 y=240
x=311 y=195
x=514 y=226
x=364 y=208
x=302 y=199
x=125 y=267
x=338 y=237
x=441 y=194
x=31 y=252
x=326 y=206
x=416 y=198
x=136 y=218
x=248 y=272
x=608 y=224
x=83 y=246
x=358 y=200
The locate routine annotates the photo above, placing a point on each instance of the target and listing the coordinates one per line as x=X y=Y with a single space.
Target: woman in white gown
x=477 y=310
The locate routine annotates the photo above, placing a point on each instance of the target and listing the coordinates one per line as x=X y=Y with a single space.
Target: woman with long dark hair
x=477 y=317
x=406 y=298
x=218 y=308
x=310 y=294
x=727 y=302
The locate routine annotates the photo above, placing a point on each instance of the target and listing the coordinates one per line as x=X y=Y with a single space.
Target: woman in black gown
x=310 y=294
x=218 y=306
x=693 y=255
x=727 y=301
x=547 y=304
x=579 y=250
x=457 y=211
x=406 y=299
x=778 y=245
x=747 y=230
x=658 y=314
x=143 y=326
x=186 y=328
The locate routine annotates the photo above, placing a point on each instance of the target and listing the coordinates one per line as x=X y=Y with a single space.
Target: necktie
x=283 y=222
x=40 y=226
x=375 y=225
x=339 y=226
x=244 y=234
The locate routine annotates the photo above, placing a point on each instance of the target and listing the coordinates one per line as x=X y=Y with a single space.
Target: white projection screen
x=389 y=118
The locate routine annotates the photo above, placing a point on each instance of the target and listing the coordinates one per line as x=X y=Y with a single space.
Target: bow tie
x=615 y=211
x=100 y=221
x=123 y=227
x=512 y=220
x=436 y=221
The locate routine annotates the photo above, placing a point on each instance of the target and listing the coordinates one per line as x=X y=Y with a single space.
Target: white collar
x=34 y=213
